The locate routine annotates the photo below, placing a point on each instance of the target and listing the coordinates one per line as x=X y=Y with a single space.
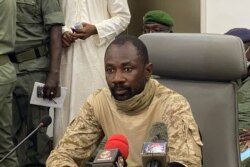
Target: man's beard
x=117 y=89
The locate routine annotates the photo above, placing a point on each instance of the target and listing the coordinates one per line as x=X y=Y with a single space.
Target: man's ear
x=148 y=70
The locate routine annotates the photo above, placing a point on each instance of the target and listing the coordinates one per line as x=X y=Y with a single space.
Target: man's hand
x=245 y=138
x=67 y=39
x=51 y=85
x=86 y=31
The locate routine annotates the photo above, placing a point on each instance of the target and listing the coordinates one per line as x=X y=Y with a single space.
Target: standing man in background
x=157 y=21
x=7 y=79
x=37 y=58
x=243 y=94
x=90 y=25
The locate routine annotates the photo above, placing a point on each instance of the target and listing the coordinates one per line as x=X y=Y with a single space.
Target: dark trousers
x=26 y=117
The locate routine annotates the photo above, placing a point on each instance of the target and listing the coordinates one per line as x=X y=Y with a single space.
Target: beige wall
x=186 y=14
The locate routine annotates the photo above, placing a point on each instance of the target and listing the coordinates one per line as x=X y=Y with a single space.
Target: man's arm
x=79 y=141
x=53 y=22
x=183 y=135
x=108 y=29
x=52 y=81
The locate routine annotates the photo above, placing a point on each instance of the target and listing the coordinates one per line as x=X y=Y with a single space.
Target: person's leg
x=38 y=146
x=6 y=143
x=21 y=118
x=43 y=144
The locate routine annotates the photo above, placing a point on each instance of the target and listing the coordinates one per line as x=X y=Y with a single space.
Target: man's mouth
x=120 y=91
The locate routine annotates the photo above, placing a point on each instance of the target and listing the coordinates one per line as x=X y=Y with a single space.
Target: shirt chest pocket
x=28 y=11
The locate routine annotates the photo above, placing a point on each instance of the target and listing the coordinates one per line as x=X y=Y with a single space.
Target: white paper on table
x=57 y=102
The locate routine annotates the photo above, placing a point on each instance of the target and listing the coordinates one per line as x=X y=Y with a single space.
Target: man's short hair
x=242 y=33
x=158 y=16
x=137 y=43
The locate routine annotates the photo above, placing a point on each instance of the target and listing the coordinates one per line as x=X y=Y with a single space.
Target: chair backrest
x=204 y=68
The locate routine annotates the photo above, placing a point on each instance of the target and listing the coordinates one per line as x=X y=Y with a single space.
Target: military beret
x=158 y=16
x=242 y=33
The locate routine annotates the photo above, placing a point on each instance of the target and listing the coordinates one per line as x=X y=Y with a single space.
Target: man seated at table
x=129 y=107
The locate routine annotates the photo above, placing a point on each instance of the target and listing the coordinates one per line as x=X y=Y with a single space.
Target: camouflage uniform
x=245 y=163
x=244 y=110
x=102 y=114
x=31 y=59
x=244 y=104
x=7 y=79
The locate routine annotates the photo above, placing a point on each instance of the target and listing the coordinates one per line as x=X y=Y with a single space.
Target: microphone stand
x=11 y=151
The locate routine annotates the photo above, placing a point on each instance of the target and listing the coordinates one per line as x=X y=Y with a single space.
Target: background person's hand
x=86 y=31
x=51 y=85
x=67 y=39
x=245 y=136
x=244 y=139
x=246 y=146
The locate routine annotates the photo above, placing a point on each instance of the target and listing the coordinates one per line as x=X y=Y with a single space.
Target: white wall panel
x=218 y=16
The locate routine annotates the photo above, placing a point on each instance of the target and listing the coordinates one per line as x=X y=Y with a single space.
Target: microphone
x=44 y=122
x=114 y=154
x=154 y=150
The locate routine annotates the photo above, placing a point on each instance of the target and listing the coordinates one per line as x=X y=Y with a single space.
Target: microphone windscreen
x=154 y=150
x=158 y=133
x=46 y=121
x=118 y=141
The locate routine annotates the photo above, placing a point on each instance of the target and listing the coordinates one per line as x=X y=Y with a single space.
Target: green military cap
x=158 y=16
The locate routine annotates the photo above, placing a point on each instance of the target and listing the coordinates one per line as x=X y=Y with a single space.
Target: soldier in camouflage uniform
x=243 y=94
x=7 y=79
x=36 y=58
x=129 y=107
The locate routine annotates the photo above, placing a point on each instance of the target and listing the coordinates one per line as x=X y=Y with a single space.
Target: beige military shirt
x=133 y=118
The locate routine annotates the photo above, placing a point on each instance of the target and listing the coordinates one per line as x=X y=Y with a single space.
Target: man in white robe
x=82 y=67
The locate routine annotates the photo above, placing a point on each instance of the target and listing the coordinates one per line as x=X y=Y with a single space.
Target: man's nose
x=118 y=77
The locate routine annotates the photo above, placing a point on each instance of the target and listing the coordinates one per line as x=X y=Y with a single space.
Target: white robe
x=82 y=65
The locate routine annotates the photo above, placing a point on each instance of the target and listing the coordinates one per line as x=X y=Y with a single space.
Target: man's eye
x=109 y=70
x=128 y=69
